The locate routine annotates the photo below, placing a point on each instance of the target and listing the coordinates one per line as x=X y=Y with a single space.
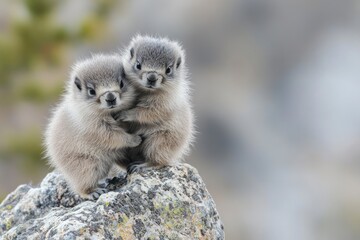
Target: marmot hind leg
x=132 y=157
x=158 y=149
x=162 y=148
x=83 y=175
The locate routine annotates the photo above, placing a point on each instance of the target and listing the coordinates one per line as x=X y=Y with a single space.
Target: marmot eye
x=91 y=92
x=138 y=65
x=121 y=84
x=168 y=70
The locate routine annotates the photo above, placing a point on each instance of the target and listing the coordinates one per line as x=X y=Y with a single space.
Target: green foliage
x=93 y=26
x=90 y=28
x=39 y=41
x=32 y=92
x=8 y=59
x=103 y=8
x=31 y=44
x=26 y=145
x=40 y=8
x=35 y=92
x=28 y=42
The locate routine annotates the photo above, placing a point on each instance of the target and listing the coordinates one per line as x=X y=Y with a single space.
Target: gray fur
x=163 y=113
x=82 y=139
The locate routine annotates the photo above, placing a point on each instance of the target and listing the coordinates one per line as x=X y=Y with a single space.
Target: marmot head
x=98 y=82
x=154 y=63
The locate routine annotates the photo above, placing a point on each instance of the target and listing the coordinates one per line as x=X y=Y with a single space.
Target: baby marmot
x=155 y=67
x=82 y=139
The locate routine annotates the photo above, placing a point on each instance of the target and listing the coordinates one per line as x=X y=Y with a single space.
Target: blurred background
x=276 y=90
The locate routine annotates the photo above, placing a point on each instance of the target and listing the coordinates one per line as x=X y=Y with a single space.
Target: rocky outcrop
x=165 y=203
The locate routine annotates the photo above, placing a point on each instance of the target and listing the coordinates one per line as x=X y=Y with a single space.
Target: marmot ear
x=78 y=83
x=131 y=53
x=178 y=62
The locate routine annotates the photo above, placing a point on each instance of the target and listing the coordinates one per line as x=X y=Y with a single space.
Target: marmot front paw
x=135 y=141
x=126 y=116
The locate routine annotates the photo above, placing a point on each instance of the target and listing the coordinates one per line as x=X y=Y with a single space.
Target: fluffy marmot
x=155 y=67
x=83 y=140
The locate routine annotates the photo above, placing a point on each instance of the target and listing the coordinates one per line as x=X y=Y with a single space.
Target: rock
x=156 y=203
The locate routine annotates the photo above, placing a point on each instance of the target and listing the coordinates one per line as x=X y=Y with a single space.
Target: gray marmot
x=83 y=140
x=162 y=115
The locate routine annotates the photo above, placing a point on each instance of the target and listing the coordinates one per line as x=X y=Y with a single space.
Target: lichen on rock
x=155 y=203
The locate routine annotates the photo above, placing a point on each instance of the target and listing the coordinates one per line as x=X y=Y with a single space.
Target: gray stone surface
x=165 y=203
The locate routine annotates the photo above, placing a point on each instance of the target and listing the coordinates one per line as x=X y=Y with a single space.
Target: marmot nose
x=152 y=77
x=110 y=98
